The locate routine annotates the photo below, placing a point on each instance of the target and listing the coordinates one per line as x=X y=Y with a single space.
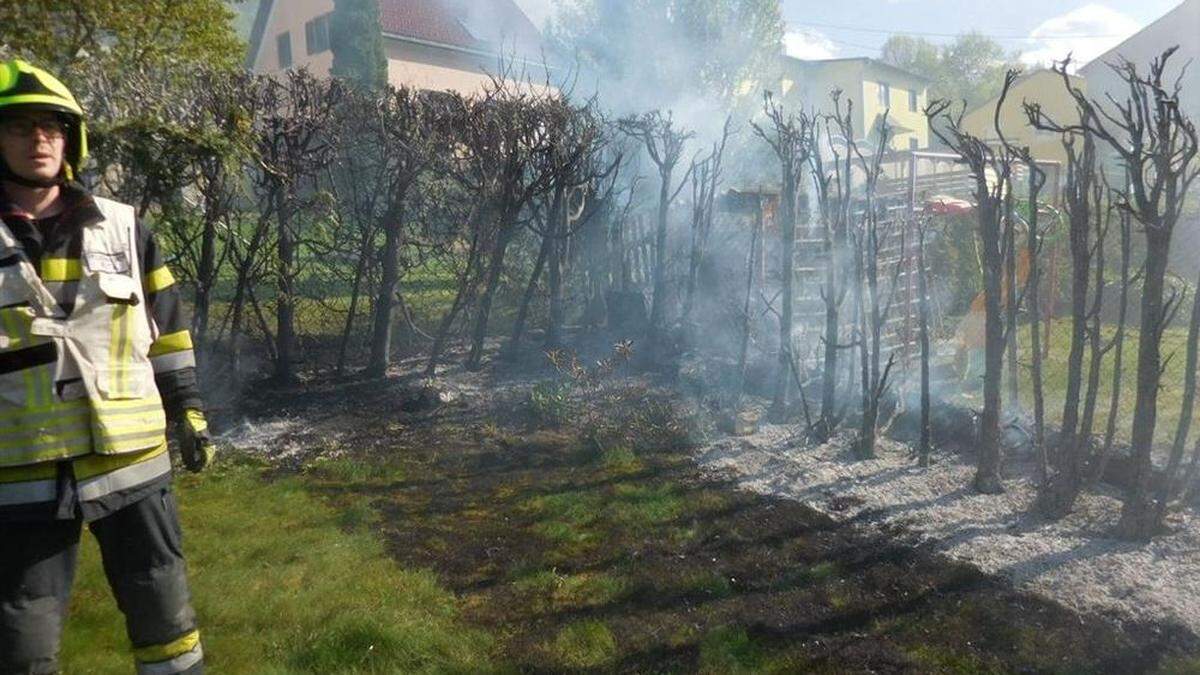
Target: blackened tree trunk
x=389 y=281
x=495 y=268
x=285 y=308
x=554 y=273
x=462 y=295
x=925 y=445
x=664 y=143
x=752 y=264
x=791 y=138
x=787 y=267
x=658 y=302
x=1037 y=179
x=983 y=161
x=1139 y=516
x=1118 y=345
x=1060 y=493
x=1187 y=407
x=1012 y=298
x=987 y=475
x=206 y=274
x=1096 y=348
x=518 y=332
x=1158 y=145
x=360 y=271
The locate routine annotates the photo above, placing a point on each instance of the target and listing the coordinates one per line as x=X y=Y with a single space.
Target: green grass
x=1055 y=378
x=729 y=650
x=945 y=661
x=583 y=644
x=621 y=460
x=1180 y=666
x=551 y=590
x=282 y=586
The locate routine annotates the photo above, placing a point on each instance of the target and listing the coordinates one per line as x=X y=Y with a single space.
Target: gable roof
x=484 y=25
x=478 y=25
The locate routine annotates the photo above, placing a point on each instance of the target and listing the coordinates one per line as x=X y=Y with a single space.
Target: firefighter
x=95 y=365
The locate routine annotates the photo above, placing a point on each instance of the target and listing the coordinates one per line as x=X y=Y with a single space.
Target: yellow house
x=430 y=44
x=872 y=86
x=1042 y=86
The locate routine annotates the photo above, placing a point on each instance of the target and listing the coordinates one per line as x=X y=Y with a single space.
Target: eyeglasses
x=23 y=127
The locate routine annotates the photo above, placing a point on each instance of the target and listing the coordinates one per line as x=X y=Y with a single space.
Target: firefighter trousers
x=143 y=560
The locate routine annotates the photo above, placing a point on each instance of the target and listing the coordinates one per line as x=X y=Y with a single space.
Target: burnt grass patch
x=599 y=545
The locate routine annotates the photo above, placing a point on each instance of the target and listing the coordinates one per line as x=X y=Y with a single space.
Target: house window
x=912 y=100
x=316 y=35
x=885 y=95
x=913 y=143
x=283 y=45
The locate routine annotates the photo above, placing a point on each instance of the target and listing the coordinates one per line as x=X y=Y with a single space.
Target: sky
x=1042 y=30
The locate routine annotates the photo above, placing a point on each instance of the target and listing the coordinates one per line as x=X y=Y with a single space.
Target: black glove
x=195 y=442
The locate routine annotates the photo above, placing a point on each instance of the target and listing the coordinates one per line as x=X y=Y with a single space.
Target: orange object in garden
x=943 y=205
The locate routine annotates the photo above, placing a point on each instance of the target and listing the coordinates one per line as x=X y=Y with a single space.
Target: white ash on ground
x=277 y=440
x=1075 y=561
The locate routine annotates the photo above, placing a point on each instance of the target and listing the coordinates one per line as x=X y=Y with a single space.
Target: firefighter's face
x=32 y=144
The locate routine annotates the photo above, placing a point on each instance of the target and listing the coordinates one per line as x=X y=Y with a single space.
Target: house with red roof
x=430 y=44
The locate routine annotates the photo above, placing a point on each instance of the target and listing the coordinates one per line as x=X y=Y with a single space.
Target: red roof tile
x=473 y=24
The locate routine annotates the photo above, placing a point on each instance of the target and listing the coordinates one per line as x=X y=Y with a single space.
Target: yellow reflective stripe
x=159 y=279
x=61 y=269
x=16 y=325
x=168 y=651
x=57 y=408
x=52 y=438
x=119 y=350
x=60 y=447
x=43 y=425
x=95 y=465
x=171 y=342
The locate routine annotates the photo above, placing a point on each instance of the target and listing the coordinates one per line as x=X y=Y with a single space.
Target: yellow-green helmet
x=25 y=86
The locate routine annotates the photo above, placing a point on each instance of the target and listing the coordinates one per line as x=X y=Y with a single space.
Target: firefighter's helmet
x=26 y=87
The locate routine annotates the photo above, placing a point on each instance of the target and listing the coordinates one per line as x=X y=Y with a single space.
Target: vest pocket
x=118 y=288
x=124 y=381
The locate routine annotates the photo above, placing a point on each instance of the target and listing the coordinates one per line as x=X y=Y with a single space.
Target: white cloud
x=808 y=44
x=1066 y=34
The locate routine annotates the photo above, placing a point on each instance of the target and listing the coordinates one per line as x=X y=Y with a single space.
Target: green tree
x=356 y=38
x=122 y=35
x=971 y=68
x=655 y=52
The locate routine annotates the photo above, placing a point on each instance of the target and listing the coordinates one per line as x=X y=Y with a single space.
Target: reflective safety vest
x=71 y=385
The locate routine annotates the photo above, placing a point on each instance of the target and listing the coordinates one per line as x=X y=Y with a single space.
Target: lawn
x=285 y=583
x=1055 y=378
x=488 y=538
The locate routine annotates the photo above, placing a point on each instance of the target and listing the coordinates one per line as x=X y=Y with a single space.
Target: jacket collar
x=80 y=207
